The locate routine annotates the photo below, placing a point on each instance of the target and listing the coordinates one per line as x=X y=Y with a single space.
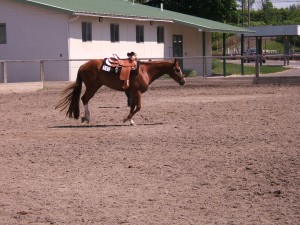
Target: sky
x=278 y=3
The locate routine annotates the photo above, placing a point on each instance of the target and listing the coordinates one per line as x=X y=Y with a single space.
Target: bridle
x=178 y=72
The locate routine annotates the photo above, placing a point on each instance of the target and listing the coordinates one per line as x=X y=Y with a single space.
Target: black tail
x=71 y=99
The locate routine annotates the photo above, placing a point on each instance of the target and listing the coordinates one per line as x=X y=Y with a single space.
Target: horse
x=94 y=77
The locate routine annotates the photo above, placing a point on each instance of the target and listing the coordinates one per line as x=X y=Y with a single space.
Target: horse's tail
x=72 y=98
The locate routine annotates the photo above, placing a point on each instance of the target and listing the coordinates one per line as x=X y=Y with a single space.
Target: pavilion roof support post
x=286 y=51
x=224 y=54
x=260 y=50
x=204 y=53
x=242 y=54
x=257 y=58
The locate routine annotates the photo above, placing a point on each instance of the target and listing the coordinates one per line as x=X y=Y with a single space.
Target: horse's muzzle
x=182 y=82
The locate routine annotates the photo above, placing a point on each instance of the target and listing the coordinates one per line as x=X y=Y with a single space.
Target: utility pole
x=248 y=22
x=248 y=13
x=242 y=13
x=242 y=41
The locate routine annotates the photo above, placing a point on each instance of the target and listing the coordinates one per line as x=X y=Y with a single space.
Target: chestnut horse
x=93 y=77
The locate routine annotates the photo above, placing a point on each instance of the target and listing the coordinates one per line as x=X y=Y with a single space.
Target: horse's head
x=177 y=74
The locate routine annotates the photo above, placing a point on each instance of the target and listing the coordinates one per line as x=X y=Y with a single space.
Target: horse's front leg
x=135 y=106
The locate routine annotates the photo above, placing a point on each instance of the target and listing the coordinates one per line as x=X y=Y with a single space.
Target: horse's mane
x=156 y=62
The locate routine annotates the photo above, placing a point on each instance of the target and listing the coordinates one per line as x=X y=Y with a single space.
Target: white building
x=86 y=29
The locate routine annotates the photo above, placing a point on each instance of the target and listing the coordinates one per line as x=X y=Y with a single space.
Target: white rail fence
x=54 y=69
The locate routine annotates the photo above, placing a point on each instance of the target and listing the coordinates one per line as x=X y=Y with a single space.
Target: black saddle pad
x=117 y=70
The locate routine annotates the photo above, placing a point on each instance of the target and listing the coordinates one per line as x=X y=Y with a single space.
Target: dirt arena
x=199 y=155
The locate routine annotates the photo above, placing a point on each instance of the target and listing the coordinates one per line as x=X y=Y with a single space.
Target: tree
x=267 y=5
x=218 y=10
x=245 y=3
x=269 y=13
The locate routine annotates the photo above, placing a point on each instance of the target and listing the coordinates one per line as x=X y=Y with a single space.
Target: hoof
x=84 y=119
x=132 y=123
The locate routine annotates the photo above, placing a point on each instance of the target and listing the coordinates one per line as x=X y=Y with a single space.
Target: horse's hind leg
x=89 y=93
x=135 y=106
x=86 y=118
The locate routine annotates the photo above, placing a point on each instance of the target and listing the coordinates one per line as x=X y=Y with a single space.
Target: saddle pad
x=106 y=66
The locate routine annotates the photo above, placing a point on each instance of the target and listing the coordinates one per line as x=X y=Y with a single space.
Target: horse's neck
x=156 y=71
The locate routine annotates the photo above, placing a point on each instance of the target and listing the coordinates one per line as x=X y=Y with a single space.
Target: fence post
x=4 y=72
x=42 y=71
x=204 y=66
x=242 y=54
x=257 y=65
x=224 y=54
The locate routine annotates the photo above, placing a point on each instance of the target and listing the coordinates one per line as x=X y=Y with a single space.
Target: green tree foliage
x=245 y=3
x=268 y=15
x=217 y=10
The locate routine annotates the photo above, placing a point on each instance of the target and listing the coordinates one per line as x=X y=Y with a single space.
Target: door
x=178 y=48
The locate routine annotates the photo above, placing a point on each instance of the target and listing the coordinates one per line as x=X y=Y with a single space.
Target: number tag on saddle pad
x=106 y=68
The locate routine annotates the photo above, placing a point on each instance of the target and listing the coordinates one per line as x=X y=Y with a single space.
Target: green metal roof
x=126 y=9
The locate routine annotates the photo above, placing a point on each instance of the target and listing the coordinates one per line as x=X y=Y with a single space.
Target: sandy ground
x=199 y=155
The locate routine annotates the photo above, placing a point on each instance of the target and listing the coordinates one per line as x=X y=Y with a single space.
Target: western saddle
x=125 y=66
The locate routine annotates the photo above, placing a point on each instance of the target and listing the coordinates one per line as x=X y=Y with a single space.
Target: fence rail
x=200 y=61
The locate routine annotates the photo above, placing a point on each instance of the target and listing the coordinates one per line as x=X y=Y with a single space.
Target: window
x=139 y=33
x=2 y=33
x=160 y=35
x=86 y=31
x=114 y=32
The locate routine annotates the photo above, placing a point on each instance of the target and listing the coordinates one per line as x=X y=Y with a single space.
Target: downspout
x=69 y=37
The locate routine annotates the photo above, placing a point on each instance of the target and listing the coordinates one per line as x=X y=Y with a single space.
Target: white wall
x=192 y=47
x=101 y=46
x=33 y=33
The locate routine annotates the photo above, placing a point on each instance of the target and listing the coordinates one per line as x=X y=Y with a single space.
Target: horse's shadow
x=103 y=125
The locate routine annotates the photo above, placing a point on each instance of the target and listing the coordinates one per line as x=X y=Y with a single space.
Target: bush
x=189 y=73
x=215 y=63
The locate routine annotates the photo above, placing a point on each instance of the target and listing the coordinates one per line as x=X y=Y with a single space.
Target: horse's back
x=88 y=71
x=91 y=65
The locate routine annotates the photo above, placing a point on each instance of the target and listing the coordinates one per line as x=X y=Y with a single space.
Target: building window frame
x=3 y=38
x=86 y=31
x=139 y=33
x=160 y=34
x=114 y=32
